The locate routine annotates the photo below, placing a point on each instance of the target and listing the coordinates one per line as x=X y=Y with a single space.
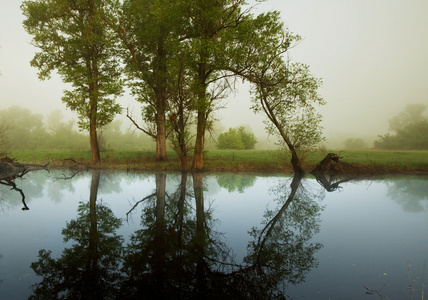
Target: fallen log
x=330 y=164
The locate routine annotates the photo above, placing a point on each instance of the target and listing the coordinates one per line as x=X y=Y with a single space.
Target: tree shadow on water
x=89 y=268
x=177 y=253
x=11 y=170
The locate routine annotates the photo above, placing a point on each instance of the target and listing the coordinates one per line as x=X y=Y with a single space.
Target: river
x=118 y=235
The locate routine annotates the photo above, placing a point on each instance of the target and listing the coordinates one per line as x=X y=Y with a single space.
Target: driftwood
x=330 y=164
x=331 y=172
x=10 y=170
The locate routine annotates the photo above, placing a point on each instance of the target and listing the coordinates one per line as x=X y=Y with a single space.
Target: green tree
x=230 y=140
x=236 y=138
x=209 y=40
x=75 y=41
x=22 y=129
x=248 y=138
x=181 y=103
x=409 y=129
x=286 y=92
x=412 y=113
x=411 y=137
x=149 y=34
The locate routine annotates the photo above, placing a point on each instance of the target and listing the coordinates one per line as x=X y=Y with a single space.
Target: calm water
x=230 y=236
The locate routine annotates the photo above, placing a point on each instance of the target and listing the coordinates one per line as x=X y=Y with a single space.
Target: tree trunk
x=198 y=157
x=93 y=110
x=161 y=133
x=94 y=142
x=160 y=71
x=92 y=73
x=295 y=162
x=183 y=161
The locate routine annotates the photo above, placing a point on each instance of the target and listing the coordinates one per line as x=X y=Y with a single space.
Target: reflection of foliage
x=60 y=181
x=10 y=182
x=281 y=249
x=235 y=182
x=410 y=194
x=10 y=172
x=167 y=258
x=89 y=269
x=177 y=255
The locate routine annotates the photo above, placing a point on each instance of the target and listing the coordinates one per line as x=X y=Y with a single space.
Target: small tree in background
x=236 y=138
x=409 y=127
x=411 y=137
x=412 y=113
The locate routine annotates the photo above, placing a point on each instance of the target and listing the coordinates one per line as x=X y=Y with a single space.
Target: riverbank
x=369 y=162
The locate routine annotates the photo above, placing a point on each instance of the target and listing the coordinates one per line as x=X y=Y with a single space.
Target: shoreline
x=367 y=163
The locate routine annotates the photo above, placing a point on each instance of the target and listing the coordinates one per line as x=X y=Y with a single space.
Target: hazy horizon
x=370 y=54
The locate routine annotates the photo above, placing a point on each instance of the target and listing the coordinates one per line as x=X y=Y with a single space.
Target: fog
x=371 y=55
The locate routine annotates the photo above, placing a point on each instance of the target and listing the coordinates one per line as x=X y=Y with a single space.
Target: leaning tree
x=285 y=92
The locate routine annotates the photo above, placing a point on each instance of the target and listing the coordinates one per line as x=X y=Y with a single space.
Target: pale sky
x=372 y=56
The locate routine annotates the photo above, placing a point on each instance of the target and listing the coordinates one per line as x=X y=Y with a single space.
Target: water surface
x=119 y=235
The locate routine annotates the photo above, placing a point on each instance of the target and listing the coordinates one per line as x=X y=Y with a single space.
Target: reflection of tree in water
x=60 y=181
x=177 y=255
x=166 y=258
x=235 y=182
x=280 y=252
x=18 y=186
x=89 y=269
x=63 y=180
x=411 y=194
x=9 y=181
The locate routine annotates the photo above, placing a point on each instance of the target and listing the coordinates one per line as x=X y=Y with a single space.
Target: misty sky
x=371 y=54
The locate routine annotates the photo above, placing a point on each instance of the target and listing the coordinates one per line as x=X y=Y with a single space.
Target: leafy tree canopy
x=236 y=138
x=411 y=137
x=410 y=127
x=412 y=113
x=74 y=42
x=20 y=128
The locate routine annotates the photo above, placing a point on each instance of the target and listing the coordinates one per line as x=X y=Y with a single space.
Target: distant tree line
x=20 y=129
x=409 y=130
x=179 y=58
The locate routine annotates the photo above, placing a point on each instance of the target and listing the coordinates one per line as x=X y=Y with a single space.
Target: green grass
x=235 y=160
x=407 y=160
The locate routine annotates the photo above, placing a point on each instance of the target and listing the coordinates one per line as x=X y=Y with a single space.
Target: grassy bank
x=235 y=160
